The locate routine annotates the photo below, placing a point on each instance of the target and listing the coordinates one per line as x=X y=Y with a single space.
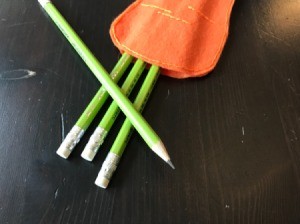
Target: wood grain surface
x=233 y=135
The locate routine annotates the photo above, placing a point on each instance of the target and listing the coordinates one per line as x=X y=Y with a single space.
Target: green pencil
x=75 y=134
x=140 y=124
x=117 y=149
x=111 y=114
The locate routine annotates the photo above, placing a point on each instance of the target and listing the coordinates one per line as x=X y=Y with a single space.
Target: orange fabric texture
x=185 y=38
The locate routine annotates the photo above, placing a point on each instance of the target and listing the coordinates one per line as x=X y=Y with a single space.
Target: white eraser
x=44 y=2
x=102 y=182
x=88 y=154
x=63 y=152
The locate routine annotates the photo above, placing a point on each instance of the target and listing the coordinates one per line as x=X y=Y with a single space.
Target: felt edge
x=185 y=72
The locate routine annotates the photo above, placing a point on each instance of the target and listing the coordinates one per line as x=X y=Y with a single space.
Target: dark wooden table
x=233 y=135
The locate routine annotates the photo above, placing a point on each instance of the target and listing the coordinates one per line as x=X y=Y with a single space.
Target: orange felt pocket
x=185 y=38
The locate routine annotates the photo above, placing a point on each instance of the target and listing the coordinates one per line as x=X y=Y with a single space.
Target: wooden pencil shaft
x=101 y=96
x=97 y=138
x=139 y=103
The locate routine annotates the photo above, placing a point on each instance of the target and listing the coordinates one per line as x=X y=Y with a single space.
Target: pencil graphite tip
x=161 y=151
x=171 y=164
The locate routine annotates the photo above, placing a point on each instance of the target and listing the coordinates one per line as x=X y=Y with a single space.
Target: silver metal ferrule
x=109 y=165
x=96 y=140
x=72 y=138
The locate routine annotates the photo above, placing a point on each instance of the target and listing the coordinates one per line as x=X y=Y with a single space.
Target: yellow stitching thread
x=156 y=7
x=163 y=63
x=173 y=17
x=154 y=60
x=201 y=13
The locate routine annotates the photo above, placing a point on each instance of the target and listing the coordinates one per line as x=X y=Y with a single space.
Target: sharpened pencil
x=139 y=123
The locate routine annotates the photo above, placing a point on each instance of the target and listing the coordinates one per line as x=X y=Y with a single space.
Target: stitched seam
x=162 y=63
x=156 y=7
x=173 y=17
x=201 y=14
x=152 y=60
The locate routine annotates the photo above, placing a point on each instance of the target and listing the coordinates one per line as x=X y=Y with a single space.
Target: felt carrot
x=184 y=38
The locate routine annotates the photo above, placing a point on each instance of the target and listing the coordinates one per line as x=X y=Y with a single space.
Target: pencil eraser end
x=63 y=152
x=102 y=182
x=88 y=154
x=43 y=2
